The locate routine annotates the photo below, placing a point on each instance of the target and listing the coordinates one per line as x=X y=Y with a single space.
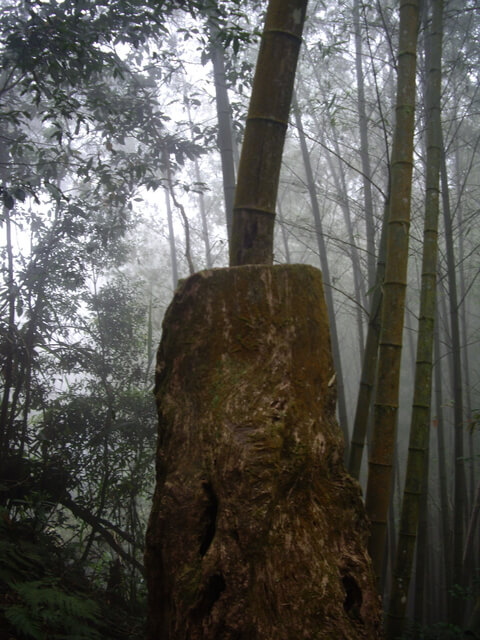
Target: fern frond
x=44 y=605
x=44 y=594
x=21 y=619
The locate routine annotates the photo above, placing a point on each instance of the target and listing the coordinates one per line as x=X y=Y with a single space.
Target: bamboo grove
x=121 y=125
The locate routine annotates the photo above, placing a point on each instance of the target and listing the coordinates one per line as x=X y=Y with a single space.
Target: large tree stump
x=256 y=531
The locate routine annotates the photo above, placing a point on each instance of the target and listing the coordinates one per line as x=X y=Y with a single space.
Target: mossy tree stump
x=256 y=531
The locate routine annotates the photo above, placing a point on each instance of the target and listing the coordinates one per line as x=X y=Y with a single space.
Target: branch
x=99 y=525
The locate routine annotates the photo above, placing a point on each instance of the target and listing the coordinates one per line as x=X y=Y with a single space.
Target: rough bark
x=267 y=120
x=256 y=531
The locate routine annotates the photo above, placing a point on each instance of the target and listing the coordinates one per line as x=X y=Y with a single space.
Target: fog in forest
x=121 y=127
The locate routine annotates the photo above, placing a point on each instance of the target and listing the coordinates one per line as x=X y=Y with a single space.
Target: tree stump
x=256 y=530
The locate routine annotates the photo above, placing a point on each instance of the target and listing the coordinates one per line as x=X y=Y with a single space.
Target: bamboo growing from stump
x=267 y=120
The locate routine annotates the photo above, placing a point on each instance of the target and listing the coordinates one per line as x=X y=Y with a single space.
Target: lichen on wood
x=256 y=531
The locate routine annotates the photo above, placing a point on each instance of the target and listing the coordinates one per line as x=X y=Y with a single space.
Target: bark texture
x=256 y=531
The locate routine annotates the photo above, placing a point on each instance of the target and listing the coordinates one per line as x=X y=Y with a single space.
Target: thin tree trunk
x=459 y=476
x=171 y=240
x=9 y=346
x=422 y=552
x=465 y=351
x=364 y=148
x=203 y=218
x=25 y=376
x=474 y=622
x=284 y=234
x=369 y=362
x=267 y=121
x=390 y=346
x=337 y=361
x=181 y=209
x=420 y=424
x=468 y=552
x=338 y=175
x=224 y=118
x=391 y=535
x=150 y=349
x=442 y=467
x=201 y=199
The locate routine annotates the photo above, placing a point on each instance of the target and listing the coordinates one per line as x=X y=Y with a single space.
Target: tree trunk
x=9 y=345
x=445 y=536
x=459 y=474
x=424 y=541
x=267 y=120
x=364 y=148
x=463 y=318
x=338 y=175
x=390 y=346
x=171 y=240
x=256 y=530
x=284 y=235
x=469 y=550
x=342 y=405
x=369 y=362
x=420 y=424
x=473 y=625
x=224 y=117
x=201 y=199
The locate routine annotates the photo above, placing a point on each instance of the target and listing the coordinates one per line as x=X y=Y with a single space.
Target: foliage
x=84 y=477
x=44 y=608
x=92 y=119
x=46 y=594
x=85 y=134
x=36 y=601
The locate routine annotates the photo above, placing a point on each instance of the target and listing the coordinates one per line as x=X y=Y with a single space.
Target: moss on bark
x=256 y=531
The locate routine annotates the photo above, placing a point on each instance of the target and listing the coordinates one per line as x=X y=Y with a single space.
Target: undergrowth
x=44 y=595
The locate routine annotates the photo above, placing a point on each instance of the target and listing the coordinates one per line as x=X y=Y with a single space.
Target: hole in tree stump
x=210 y=594
x=209 y=520
x=353 y=596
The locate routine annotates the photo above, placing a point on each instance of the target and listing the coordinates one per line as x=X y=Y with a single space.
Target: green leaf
x=21 y=619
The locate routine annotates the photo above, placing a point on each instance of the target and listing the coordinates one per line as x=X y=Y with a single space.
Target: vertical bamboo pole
x=390 y=345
